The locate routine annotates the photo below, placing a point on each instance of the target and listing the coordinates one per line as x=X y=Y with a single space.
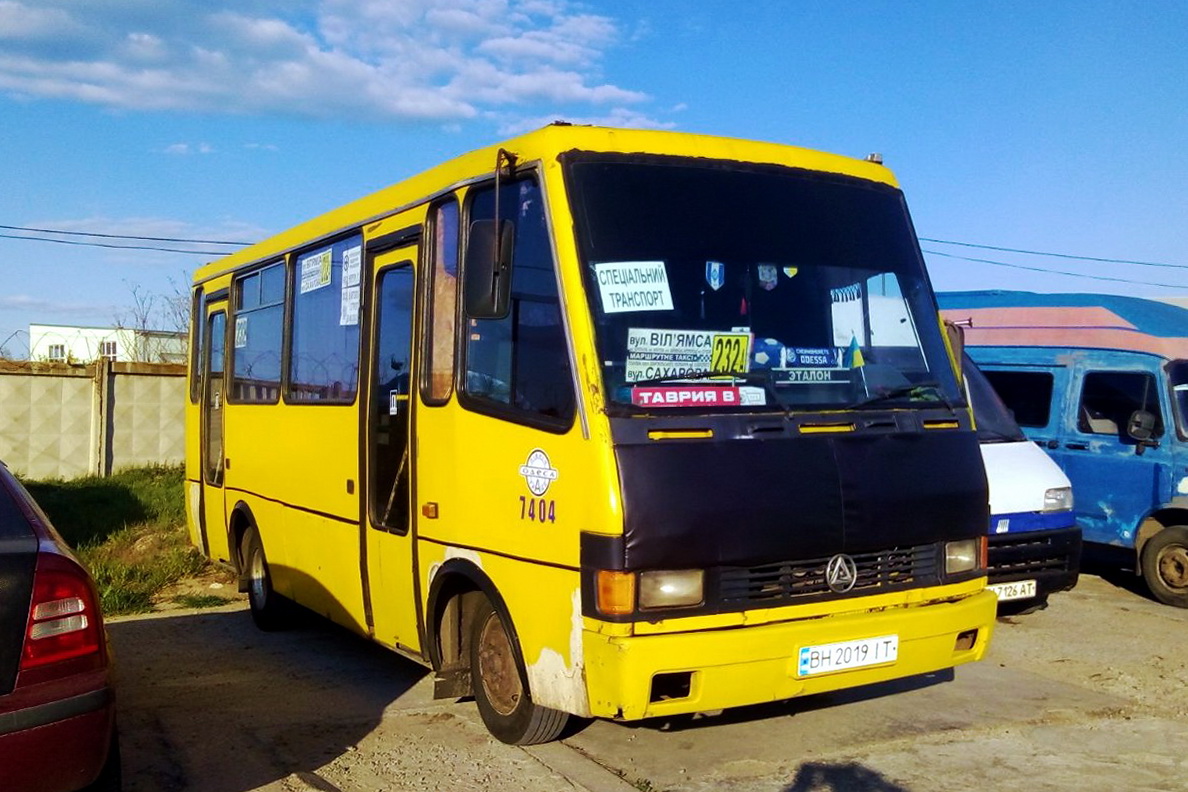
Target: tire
x=269 y=610
x=1165 y=565
x=111 y=777
x=501 y=685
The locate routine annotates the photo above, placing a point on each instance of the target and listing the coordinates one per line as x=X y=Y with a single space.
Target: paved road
x=1085 y=695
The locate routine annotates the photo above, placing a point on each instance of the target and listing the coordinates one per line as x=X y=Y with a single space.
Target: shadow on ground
x=845 y=777
x=207 y=702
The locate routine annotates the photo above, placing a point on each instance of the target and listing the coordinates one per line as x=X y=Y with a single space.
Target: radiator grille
x=888 y=570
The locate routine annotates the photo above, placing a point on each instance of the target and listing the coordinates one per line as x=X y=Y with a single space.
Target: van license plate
x=823 y=658
x=1016 y=590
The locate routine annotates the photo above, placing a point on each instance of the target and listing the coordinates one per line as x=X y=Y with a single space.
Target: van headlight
x=1058 y=499
x=966 y=555
x=671 y=588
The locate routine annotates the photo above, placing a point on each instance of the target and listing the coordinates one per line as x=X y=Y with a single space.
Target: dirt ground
x=1087 y=694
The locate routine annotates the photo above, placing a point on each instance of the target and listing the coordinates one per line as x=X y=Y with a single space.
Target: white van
x=1035 y=544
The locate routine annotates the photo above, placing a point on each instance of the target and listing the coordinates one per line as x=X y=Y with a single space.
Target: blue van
x=1101 y=383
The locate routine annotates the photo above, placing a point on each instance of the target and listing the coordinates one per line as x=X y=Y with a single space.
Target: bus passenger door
x=390 y=557
x=213 y=526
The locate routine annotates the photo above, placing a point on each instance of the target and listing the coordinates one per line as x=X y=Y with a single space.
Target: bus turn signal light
x=616 y=592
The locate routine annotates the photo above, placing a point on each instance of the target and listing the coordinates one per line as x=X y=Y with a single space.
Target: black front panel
x=749 y=502
x=1051 y=558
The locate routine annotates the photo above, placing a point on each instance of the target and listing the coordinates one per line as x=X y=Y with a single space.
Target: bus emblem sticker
x=538 y=472
x=841 y=573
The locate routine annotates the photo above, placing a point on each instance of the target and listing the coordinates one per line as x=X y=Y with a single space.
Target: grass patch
x=90 y=509
x=129 y=530
x=200 y=600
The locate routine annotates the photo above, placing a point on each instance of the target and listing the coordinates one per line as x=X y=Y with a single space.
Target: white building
x=72 y=344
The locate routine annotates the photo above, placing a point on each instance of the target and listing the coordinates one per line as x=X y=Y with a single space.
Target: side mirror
x=1141 y=427
x=956 y=334
x=487 y=286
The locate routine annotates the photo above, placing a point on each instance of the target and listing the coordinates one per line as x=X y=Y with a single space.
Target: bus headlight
x=966 y=555
x=671 y=589
x=1058 y=499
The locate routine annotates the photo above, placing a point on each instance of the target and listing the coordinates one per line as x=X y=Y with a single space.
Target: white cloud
x=20 y=21
x=420 y=60
x=23 y=302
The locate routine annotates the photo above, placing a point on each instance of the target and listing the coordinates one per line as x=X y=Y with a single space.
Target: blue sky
x=1058 y=126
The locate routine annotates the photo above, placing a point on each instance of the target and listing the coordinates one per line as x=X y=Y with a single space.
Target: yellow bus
x=598 y=422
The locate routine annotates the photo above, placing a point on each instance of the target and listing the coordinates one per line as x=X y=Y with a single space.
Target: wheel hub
x=497 y=670
x=1173 y=566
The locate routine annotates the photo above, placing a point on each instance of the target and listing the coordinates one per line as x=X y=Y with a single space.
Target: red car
x=57 y=705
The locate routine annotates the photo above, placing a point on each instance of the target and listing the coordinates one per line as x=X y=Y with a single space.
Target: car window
x=13 y=524
x=1027 y=394
x=1109 y=398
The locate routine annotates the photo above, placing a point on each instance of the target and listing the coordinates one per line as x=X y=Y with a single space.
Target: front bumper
x=1052 y=558
x=754 y=664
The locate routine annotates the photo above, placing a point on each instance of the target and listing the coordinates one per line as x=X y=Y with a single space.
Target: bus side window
x=438 y=381
x=259 y=324
x=324 y=363
x=521 y=361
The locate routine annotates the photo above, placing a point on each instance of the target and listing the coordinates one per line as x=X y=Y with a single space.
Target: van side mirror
x=956 y=335
x=487 y=286
x=1141 y=427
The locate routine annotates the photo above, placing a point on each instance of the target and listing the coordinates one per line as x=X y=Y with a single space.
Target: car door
x=1117 y=480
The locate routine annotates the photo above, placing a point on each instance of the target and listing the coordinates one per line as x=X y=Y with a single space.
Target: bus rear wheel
x=1165 y=565
x=501 y=686
x=268 y=608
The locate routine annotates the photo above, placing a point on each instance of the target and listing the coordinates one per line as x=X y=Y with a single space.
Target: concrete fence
x=63 y=421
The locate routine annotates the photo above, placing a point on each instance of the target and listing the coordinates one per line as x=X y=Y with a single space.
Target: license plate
x=824 y=658
x=1019 y=589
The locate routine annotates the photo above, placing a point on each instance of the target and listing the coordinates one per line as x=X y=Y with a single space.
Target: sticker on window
x=698 y=396
x=633 y=286
x=768 y=276
x=241 y=330
x=655 y=354
x=715 y=274
x=804 y=357
x=352 y=259
x=349 y=309
x=315 y=271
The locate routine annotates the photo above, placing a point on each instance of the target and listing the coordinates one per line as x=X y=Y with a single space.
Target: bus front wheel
x=1165 y=565
x=501 y=687
x=267 y=606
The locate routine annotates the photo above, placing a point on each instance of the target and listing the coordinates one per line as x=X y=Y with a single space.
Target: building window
x=57 y=352
x=108 y=349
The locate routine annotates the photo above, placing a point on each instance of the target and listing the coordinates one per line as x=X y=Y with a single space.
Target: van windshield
x=994 y=420
x=721 y=285
x=1177 y=374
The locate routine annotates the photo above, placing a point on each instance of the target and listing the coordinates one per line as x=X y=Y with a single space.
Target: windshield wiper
x=760 y=376
x=927 y=391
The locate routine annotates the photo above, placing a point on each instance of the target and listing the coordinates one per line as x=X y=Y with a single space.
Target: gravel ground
x=1084 y=695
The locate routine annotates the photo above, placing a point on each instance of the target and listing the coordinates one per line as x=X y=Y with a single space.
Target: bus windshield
x=726 y=285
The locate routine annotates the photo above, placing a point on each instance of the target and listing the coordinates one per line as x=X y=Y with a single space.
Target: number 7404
x=538 y=509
